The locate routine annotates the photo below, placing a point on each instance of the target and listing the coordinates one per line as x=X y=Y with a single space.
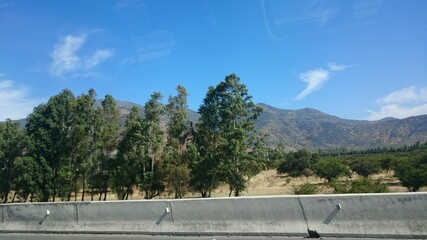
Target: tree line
x=409 y=166
x=71 y=148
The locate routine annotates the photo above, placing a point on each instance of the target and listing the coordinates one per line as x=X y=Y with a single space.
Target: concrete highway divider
x=397 y=215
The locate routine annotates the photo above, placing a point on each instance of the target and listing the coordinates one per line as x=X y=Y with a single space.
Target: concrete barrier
x=367 y=215
x=38 y=217
x=240 y=216
x=362 y=215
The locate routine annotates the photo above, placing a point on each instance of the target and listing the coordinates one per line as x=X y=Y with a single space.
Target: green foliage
x=365 y=167
x=388 y=163
x=106 y=140
x=125 y=168
x=74 y=145
x=329 y=168
x=305 y=189
x=151 y=182
x=361 y=185
x=297 y=163
x=226 y=122
x=413 y=172
x=179 y=135
x=12 y=144
x=275 y=156
x=50 y=128
x=84 y=138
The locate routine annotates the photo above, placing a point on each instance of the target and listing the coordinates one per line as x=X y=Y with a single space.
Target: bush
x=329 y=169
x=306 y=188
x=366 y=167
x=367 y=185
x=412 y=172
x=296 y=163
x=362 y=185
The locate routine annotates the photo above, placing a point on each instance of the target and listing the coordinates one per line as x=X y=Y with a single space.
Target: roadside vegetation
x=72 y=150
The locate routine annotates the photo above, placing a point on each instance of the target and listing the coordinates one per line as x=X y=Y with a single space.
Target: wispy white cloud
x=406 y=102
x=65 y=58
x=314 y=79
x=98 y=57
x=336 y=67
x=64 y=55
x=15 y=102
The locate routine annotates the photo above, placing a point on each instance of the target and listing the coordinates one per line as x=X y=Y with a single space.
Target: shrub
x=306 y=188
x=329 y=169
x=412 y=172
x=361 y=185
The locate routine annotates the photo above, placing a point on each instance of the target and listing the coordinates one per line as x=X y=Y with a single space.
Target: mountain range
x=312 y=129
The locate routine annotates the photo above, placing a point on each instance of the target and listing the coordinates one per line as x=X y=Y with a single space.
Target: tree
x=49 y=128
x=108 y=134
x=12 y=144
x=179 y=130
x=84 y=139
x=126 y=166
x=365 y=167
x=151 y=181
x=413 y=172
x=275 y=156
x=26 y=178
x=226 y=122
x=297 y=163
x=329 y=168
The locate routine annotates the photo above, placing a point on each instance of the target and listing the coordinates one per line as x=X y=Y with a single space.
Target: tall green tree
x=178 y=129
x=84 y=139
x=130 y=156
x=107 y=118
x=12 y=145
x=227 y=116
x=49 y=128
x=152 y=176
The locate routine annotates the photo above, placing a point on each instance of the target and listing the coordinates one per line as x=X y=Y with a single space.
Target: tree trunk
x=83 y=187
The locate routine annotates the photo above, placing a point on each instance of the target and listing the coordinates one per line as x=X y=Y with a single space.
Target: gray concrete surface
x=344 y=216
x=15 y=236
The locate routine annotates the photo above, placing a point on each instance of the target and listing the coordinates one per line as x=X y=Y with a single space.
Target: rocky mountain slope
x=312 y=129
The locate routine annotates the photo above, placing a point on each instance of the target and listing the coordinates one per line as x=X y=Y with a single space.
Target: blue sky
x=355 y=59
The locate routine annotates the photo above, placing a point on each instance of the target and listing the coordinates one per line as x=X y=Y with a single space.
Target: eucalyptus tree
x=179 y=130
x=26 y=179
x=152 y=175
x=49 y=128
x=84 y=138
x=12 y=145
x=131 y=149
x=226 y=124
x=108 y=128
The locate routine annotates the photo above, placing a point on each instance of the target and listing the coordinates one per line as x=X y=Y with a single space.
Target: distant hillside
x=313 y=129
x=310 y=128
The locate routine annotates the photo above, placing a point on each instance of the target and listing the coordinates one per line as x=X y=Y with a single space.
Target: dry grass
x=270 y=183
